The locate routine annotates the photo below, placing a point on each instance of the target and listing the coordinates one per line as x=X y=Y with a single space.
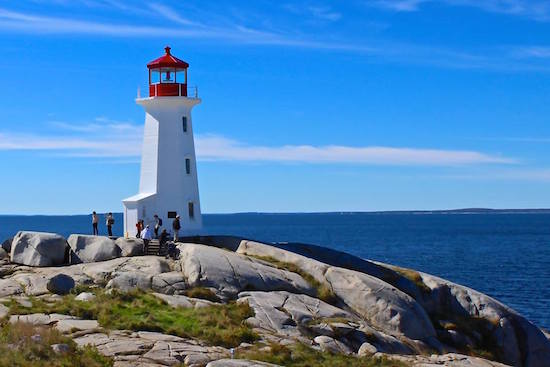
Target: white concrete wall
x=163 y=171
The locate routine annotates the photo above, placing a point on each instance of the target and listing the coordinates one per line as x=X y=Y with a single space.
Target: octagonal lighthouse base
x=168 y=183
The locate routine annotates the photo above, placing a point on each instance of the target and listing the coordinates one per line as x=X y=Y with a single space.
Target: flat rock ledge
x=330 y=301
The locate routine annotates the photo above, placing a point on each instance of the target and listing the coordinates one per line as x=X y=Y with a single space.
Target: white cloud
x=124 y=140
x=534 y=9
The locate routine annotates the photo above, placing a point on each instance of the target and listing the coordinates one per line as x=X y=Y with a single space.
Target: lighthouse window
x=191 y=207
x=184 y=123
x=188 y=166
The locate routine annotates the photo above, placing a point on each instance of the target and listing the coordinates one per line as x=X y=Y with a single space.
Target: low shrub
x=300 y=355
x=26 y=345
x=222 y=324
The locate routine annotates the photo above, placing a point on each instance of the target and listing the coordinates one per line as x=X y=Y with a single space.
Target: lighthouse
x=168 y=183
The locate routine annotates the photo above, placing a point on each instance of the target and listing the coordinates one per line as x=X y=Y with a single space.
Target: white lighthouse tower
x=168 y=183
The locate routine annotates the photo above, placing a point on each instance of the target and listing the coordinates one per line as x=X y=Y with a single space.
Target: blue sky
x=307 y=106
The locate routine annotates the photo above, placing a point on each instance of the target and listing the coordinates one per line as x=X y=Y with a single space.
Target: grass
x=300 y=355
x=17 y=349
x=485 y=347
x=222 y=324
x=414 y=277
x=323 y=291
x=202 y=293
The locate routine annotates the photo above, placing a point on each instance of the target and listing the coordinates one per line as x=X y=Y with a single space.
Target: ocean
x=506 y=256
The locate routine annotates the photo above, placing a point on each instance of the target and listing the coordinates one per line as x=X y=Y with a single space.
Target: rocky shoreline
x=298 y=294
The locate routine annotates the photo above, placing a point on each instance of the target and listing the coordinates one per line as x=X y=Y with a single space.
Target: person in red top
x=139 y=228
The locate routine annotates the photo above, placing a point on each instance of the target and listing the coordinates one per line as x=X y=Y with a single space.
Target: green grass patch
x=324 y=292
x=17 y=349
x=202 y=293
x=222 y=324
x=300 y=355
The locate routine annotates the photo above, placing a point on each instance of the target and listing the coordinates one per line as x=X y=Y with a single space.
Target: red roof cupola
x=167 y=76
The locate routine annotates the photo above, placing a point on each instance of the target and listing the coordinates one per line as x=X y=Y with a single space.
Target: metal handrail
x=192 y=91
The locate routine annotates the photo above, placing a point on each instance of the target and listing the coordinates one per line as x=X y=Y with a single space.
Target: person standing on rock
x=139 y=228
x=109 y=222
x=176 y=226
x=158 y=224
x=95 y=221
x=146 y=236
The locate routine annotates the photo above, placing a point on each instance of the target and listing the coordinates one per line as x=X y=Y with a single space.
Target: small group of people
x=109 y=222
x=144 y=231
x=141 y=227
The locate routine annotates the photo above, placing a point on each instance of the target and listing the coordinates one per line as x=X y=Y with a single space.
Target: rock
x=88 y=249
x=231 y=273
x=281 y=312
x=127 y=281
x=366 y=350
x=34 y=284
x=60 y=348
x=347 y=261
x=130 y=246
x=3 y=311
x=502 y=324
x=175 y=301
x=329 y=344
x=3 y=254
x=239 y=363
x=189 y=352
x=70 y=325
x=34 y=319
x=38 y=249
x=9 y=287
x=115 y=344
x=60 y=284
x=172 y=282
x=85 y=297
x=23 y=302
x=37 y=338
x=6 y=245
x=445 y=360
x=313 y=267
x=383 y=305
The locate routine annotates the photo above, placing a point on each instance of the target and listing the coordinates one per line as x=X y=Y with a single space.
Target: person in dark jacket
x=109 y=222
x=176 y=226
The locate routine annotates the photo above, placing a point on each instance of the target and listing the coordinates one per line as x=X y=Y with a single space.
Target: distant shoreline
x=382 y=212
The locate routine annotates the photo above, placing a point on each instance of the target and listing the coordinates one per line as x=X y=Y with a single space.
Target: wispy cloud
x=509 y=58
x=534 y=9
x=124 y=140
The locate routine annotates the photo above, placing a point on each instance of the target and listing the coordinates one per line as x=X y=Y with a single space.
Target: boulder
x=332 y=345
x=517 y=341
x=61 y=348
x=239 y=363
x=85 y=297
x=381 y=304
x=172 y=282
x=130 y=246
x=232 y=273
x=129 y=280
x=89 y=249
x=286 y=313
x=38 y=249
x=3 y=254
x=60 y=284
x=6 y=245
x=366 y=350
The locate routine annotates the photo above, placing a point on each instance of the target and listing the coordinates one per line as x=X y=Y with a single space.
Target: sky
x=359 y=105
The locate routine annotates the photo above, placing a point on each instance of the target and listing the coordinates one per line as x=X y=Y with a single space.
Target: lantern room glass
x=167 y=76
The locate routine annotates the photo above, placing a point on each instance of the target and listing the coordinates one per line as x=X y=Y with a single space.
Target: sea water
x=506 y=256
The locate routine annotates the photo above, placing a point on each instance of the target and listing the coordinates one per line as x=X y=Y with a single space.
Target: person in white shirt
x=95 y=221
x=146 y=236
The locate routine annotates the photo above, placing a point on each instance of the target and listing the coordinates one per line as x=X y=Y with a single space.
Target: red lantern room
x=167 y=76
